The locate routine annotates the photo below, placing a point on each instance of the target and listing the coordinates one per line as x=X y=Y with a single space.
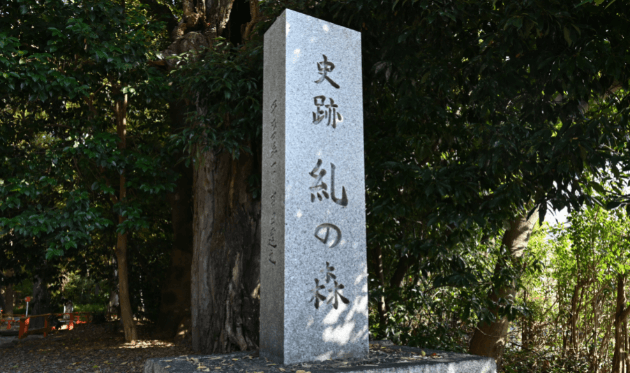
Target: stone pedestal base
x=383 y=358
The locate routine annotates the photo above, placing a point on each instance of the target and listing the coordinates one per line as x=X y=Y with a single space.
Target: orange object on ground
x=75 y=318
x=24 y=321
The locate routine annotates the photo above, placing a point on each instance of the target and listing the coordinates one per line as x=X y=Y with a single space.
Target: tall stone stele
x=313 y=262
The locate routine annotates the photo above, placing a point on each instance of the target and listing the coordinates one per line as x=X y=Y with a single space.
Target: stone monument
x=313 y=251
x=313 y=298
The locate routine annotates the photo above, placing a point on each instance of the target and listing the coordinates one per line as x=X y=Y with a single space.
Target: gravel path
x=87 y=348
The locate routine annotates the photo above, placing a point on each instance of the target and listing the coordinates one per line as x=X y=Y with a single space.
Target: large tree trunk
x=40 y=303
x=126 y=312
x=129 y=325
x=226 y=233
x=490 y=339
x=226 y=254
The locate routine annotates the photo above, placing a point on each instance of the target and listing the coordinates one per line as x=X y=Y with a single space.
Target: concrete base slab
x=383 y=358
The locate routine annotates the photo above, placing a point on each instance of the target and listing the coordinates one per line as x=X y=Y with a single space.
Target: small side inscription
x=272 y=242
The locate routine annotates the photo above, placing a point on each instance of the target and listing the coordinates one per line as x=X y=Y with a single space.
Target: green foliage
x=227 y=83
x=65 y=66
x=91 y=307
x=83 y=291
x=64 y=98
x=572 y=296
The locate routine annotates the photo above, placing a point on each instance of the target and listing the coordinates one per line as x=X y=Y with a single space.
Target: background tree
x=68 y=106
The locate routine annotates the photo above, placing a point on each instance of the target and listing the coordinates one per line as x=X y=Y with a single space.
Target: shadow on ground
x=87 y=348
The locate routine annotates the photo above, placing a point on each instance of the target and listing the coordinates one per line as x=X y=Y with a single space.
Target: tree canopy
x=477 y=114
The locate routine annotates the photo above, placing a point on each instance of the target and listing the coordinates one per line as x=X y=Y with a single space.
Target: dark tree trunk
x=225 y=274
x=620 y=356
x=40 y=303
x=226 y=255
x=526 y=329
x=490 y=339
x=175 y=300
x=9 y=299
x=113 y=305
x=401 y=271
x=126 y=312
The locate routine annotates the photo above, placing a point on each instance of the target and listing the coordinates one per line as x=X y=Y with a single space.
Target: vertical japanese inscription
x=272 y=243
x=320 y=188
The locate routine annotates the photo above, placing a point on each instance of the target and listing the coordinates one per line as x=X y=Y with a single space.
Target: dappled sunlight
x=340 y=334
x=91 y=347
x=342 y=323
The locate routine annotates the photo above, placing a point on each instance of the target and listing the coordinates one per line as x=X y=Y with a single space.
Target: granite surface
x=272 y=263
x=313 y=260
x=382 y=358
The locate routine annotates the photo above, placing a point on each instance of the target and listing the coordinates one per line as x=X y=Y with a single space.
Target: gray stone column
x=313 y=249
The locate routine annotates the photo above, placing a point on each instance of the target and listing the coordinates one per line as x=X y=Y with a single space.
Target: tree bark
x=129 y=325
x=576 y=300
x=489 y=339
x=226 y=254
x=594 y=355
x=401 y=271
x=40 y=303
x=526 y=329
x=620 y=355
x=225 y=275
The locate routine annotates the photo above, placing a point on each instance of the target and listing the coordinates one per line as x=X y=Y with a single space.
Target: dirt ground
x=87 y=348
